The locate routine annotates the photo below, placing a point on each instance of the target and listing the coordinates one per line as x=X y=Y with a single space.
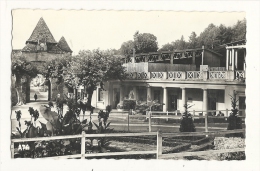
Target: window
x=100 y=95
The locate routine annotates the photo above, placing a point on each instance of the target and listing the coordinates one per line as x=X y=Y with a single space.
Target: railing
x=196 y=153
x=175 y=75
x=188 y=75
x=194 y=75
x=158 y=151
x=158 y=75
x=239 y=75
x=217 y=74
x=83 y=137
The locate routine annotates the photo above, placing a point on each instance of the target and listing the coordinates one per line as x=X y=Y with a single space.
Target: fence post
x=128 y=118
x=167 y=115
x=83 y=141
x=226 y=112
x=150 y=121
x=12 y=150
x=206 y=123
x=159 y=144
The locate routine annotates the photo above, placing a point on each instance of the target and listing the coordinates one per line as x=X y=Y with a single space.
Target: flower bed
x=230 y=143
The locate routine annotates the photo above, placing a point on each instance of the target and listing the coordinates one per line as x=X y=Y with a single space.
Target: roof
x=56 y=49
x=41 y=33
x=242 y=41
x=63 y=45
x=29 y=48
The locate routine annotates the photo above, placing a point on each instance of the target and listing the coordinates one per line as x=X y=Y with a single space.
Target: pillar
x=183 y=94
x=205 y=100
x=171 y=60
x=227 y=60
x=202 y=56
x=149 y=93
x=233 y=59
x=236 y=59
x=121 y=92
x=193 y=57
x=165 y=99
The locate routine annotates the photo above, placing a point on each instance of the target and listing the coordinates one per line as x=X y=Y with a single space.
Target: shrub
x=187 y=124
x=234 y=122
x=230 y=143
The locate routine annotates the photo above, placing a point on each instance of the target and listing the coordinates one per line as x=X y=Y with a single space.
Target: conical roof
x=41 y=33
x=63 y=45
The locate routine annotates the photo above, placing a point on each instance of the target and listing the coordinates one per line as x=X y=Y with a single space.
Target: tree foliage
x=145 y=42
x=92 y=69
x=211 y=37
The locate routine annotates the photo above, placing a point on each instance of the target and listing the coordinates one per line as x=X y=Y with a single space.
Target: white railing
x=239 y=75
x=157 y=75
x=194 y=75
x=143 y=75
x=175 y=75
x=158 y=151
x=160 y=137
x=217 y=74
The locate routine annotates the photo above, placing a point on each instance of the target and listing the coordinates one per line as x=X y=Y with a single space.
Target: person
x=35 y=96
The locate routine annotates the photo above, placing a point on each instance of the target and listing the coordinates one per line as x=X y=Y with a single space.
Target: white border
x=252 y=91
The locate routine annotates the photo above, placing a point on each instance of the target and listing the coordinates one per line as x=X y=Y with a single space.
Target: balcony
x=237 y=75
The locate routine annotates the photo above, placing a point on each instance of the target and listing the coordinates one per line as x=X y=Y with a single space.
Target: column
x=202 y=56
x=236 y=59
x=171 y=60
x=183 y=94
x=205 y=100
x=233 y=59
x=121 y=93
x=227 y=59
x=244 y=60
x=135 y=89
x=193 y=57
x=149 y=93
x=165 y=99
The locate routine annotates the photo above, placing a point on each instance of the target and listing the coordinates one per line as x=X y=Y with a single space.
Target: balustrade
x=239 y=75
x=188 y=75
x=194 y=75
x=217 y=74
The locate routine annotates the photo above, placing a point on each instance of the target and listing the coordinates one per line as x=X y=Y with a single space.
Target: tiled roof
x=55 y=49
x=63 y=45
x=42 y=33
x=29 y=48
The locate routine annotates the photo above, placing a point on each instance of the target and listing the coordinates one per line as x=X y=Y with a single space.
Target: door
x=172 y=103
x=242 y=105
x=212 y=105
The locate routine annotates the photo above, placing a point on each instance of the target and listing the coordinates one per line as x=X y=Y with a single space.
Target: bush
x=230 y=143
x=129 y=104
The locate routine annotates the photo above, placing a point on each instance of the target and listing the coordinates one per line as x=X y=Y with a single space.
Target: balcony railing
x=239 y=75
x=217 y=74
x=188 y=75
x=194 y=75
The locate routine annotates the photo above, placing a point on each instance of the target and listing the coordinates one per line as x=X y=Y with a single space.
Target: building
x=41 y=47
x=200 y=77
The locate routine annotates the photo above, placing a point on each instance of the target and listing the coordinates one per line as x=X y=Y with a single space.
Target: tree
x=145 y=42
x=167 y=47
x=23 y=71
x=92 y=69
x=239 y=30
x=127 y=48
x=193 y=40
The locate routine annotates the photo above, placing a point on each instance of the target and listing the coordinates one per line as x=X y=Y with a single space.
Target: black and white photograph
x=129 y=85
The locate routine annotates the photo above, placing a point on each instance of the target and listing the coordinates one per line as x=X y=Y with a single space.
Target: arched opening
x=39 y=87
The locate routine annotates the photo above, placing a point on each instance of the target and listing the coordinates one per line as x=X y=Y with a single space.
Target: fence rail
x=196 y=153
x=158 y=151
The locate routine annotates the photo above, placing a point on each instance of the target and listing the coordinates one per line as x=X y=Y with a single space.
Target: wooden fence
x=158 y=151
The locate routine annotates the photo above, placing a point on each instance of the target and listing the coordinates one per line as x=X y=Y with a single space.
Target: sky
x=88 y=30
